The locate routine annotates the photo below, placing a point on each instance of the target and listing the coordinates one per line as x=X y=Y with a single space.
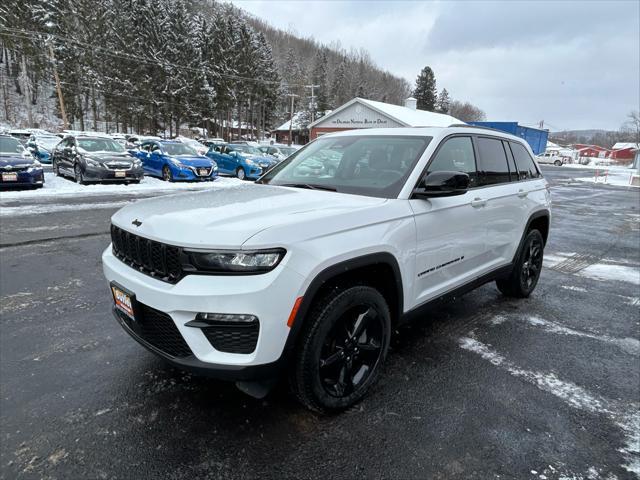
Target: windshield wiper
x=310 y=186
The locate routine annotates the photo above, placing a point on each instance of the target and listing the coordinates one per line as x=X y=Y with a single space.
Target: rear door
x=450 y=231
x=503 y=212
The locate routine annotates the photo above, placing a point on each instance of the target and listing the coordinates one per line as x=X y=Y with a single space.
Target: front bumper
x=192 y=174
x=269 y=296
x=24 y=178
x=102 y=174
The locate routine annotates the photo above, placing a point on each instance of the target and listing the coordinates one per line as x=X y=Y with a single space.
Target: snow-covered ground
x=611 y=176
x=61 y=187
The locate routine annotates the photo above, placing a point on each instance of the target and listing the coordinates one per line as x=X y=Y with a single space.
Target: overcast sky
x=573 y=64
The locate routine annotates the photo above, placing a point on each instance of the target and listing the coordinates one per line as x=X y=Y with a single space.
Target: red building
x=592 y=151
x=624 y=151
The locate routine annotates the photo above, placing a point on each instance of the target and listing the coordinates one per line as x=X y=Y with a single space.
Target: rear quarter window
x=527 y=168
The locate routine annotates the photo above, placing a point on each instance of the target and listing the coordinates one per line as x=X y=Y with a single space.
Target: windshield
x=246 y=149
x=178 y=149
x=10 y=145
x=47 y=142
x=287 y=150
x=99 y=145
x=376 y=166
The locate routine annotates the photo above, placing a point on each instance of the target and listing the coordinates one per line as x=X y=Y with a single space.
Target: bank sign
x=357 y=116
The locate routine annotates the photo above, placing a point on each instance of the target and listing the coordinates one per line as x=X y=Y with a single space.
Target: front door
x=451 y=244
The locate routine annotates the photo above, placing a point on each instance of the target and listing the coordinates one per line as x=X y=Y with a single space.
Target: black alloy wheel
x=342 y=349
x=526 y=271
x=56 y=168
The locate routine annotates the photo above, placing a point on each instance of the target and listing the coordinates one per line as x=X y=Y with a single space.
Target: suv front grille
x=153 y=258
x=157 y=329
x=240 y=338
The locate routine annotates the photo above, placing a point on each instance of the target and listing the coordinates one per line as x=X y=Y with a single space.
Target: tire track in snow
x=626 y=416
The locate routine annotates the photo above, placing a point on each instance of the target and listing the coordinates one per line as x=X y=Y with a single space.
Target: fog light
x=204 y=320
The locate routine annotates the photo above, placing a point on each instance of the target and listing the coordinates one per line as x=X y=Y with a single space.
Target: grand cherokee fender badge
x=136 y=222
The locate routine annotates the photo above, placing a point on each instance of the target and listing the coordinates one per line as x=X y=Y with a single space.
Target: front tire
x=558 y=163
x=79 y=177
x=167 y=176
x=342 y=349
x=241 y=174
x=56 y=169
x=526 y=271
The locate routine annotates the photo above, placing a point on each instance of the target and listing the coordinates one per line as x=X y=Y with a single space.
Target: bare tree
x=466 y=112
x=632 y=126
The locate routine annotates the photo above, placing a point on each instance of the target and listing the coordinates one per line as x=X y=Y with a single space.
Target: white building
x=363 y=113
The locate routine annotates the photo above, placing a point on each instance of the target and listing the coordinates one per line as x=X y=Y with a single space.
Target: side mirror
x=442 y=184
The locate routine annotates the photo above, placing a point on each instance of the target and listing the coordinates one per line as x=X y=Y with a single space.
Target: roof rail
x=466 y=125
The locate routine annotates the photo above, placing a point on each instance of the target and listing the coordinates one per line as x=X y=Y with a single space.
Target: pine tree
x=444 y=102
x=338 y=96
x=425 y=91
x=320 y=78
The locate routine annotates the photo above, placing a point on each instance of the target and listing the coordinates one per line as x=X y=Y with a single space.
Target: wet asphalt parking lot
x=481 y=387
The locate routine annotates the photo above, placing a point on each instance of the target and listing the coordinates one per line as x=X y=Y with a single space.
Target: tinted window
x=512 y=166
x=492 y=166
x=526 y=166
x=455 y=155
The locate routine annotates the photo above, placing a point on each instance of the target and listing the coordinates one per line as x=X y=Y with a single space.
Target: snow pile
x=63 y=187
x=618 y=176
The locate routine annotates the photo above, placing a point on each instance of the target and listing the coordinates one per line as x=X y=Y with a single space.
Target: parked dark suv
x=95 y=159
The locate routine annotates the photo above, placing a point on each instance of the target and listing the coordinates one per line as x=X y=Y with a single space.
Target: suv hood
x=227 y=218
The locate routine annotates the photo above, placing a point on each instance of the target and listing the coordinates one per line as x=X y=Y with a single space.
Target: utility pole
x=59 y=90
x=292 y=95
x=313 y=97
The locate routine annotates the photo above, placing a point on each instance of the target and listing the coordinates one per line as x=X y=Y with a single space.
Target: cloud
x=572 y=64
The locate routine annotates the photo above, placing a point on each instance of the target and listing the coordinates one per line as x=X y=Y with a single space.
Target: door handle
x=522 y=193
x=478 y=202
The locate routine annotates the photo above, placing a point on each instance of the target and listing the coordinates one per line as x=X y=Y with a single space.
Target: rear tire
x=341 y=349
x=526 y=271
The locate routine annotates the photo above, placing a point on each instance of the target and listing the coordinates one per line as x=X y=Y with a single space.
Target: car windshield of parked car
x=375 y=166
x=287 y=150
x=93 y=145
x=248 y=149
x=175 y=149
x=48 y=143
x=9 y=145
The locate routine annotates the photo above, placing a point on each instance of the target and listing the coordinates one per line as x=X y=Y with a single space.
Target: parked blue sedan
x=241 y=160
x=17 y=167
x=174 y=161
x=41 y=146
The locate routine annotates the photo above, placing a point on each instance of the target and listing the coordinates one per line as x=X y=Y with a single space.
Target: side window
x=155 y=147
x=512 y=165
x=526 y=166
x=456 y=154
x=492 y=165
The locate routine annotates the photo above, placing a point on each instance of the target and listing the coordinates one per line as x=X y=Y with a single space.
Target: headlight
x=250 y=162
x=137 y=163
x=92 y=163
x=225 y=261
x=36 y=164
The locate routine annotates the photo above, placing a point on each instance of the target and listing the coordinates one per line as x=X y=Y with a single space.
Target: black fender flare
x=384 y=258
x=534 y=216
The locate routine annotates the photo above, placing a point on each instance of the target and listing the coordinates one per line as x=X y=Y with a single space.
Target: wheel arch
x=378 y=270
x=540 y=220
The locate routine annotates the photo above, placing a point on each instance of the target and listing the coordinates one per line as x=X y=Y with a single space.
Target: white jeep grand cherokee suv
x=309 y=270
